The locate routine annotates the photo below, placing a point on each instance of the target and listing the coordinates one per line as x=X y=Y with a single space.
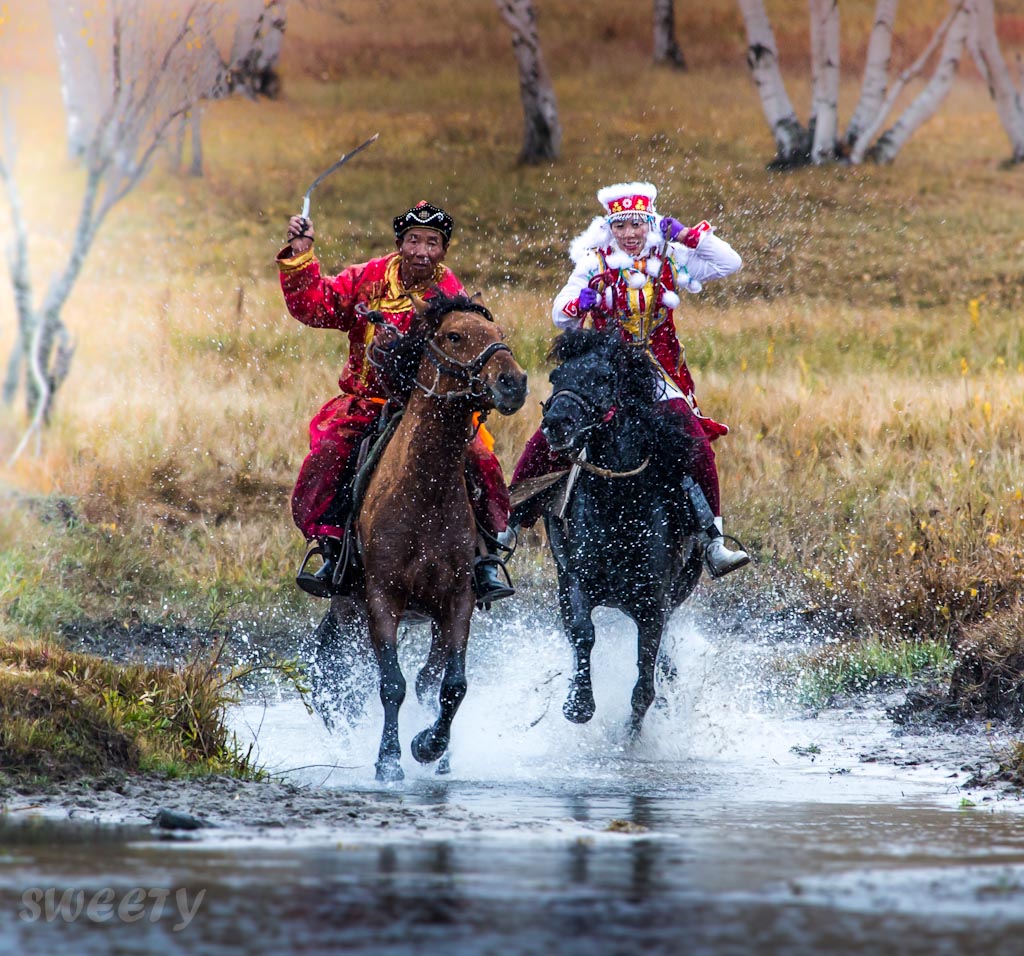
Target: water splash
x=511 y=728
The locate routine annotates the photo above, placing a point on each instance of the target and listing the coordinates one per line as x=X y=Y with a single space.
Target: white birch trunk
x=256 y=48
x=824 y=18
x=666 y=46
x=792 y=142
x=876 y=71
x=80 y=84
x=930 y=98
x=988 y=55
x=542 y=137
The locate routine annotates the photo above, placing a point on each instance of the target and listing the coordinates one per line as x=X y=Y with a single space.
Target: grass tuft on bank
x=65 y=714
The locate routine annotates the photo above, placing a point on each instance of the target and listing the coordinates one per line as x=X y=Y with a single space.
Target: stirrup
x=730 y=560
x=319 y=583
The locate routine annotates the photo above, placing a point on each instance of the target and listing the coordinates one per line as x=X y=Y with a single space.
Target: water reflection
x=712 y=876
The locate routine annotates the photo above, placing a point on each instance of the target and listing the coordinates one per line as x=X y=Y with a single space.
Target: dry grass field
x=868 y=357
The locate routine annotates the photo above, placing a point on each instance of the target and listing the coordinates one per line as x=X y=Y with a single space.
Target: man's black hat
x=425 y=216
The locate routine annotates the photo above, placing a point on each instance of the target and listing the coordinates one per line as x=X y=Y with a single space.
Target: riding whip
x=330 y=169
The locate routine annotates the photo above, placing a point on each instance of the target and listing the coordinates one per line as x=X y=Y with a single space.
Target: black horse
x=624 y=530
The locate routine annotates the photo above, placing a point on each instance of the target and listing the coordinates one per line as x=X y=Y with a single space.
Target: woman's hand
x=670 y=228
x=588 y=299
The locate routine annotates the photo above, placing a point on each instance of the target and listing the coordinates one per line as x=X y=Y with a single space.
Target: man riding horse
x=629 y=266
x=391 y=286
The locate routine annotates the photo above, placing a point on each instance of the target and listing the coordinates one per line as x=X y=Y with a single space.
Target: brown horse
x=416 y=524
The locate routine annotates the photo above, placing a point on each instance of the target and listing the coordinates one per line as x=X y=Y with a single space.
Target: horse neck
x=621 y=444
x=436 y=431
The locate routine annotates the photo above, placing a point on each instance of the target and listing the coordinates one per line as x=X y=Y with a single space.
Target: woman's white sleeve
x=565 y=312
x=713 y=258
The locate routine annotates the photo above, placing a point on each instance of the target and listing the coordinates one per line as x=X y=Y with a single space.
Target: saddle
x=348 y=570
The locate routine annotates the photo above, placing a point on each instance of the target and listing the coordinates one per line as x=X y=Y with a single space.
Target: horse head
x=598 y=377
x=454 y=351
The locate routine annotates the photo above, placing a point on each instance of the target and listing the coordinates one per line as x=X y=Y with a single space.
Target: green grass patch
x=870 y=664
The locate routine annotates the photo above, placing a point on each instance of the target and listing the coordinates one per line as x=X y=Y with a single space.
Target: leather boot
x=490 y=581
x=321 y=582
x=718 y=559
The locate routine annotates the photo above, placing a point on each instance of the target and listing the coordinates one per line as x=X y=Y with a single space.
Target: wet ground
x=738 y=824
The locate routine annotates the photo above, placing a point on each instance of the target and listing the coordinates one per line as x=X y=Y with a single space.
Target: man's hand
x=300 y=234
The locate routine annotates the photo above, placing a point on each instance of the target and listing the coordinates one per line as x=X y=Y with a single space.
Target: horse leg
x=428 y=745
x=384 y=634
x=669 y=674
x=428 y=686
x=579 y=705
x=650 y=626
x=428 y=680
x=342 y=663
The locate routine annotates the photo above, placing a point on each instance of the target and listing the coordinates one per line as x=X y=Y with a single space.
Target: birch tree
x=984 y=46
x=542 y=135
x=867 y=137
x=247 y=67
x=666 y=46
x=146 y=62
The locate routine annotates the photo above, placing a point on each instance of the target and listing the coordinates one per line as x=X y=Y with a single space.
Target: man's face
x=631 y=235
x=421 y=251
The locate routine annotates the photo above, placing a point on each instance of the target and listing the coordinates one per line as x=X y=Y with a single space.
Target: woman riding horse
x=628 y=268
x=622 y=535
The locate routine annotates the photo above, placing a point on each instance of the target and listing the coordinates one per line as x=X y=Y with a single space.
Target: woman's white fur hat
x=626 y=200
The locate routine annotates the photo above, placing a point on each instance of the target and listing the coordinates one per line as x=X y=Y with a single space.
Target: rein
x=607 y=472
x=603 y=417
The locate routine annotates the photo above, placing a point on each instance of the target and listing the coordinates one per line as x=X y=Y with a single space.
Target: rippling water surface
x=711 y=835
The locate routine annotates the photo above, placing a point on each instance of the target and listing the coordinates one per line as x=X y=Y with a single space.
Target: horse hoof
x=427 y=747
x=445 y=765
x=578 y=711
x=390 y=772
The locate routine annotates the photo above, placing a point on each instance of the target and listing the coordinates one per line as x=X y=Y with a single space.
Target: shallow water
x=709 y=836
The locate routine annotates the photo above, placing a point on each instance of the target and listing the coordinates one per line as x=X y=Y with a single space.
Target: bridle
x=468 y=373
x=599 y=416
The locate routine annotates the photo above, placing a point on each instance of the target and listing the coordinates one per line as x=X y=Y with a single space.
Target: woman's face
x=631 y=235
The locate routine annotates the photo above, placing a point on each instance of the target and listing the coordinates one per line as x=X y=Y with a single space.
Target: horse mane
x=397 y=361
x=637 y=398
x=637 y=376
